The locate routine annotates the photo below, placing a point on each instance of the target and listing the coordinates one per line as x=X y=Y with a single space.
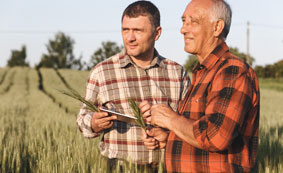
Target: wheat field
x=38 y=131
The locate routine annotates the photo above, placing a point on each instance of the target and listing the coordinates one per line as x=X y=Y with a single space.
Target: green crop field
x=38 y=131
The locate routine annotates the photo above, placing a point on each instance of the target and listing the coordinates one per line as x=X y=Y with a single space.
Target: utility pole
x=248 y=43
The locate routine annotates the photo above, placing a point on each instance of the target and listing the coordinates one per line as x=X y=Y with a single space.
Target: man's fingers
x=98 y=115
x=106 y=125
x=148 y=120
x=144 y=135
x=146 y=114
x=147 y=138
x=143 y=103
x=144 y=106
x=150 y=132
x=149 y=142
x=151 y=145
x=105 y=119
x=110 y=125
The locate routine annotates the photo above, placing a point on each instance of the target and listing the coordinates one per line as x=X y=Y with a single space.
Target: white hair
x=222 y=10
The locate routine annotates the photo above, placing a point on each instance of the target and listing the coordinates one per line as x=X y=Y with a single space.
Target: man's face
x=138 y=36
x=197 y=28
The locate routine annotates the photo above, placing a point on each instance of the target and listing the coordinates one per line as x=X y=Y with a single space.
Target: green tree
x=270 y=71
x=190 y=63
x=279 y=69
x=18 y=58
x=60 y=53
x=260 y=71
x=241 y=55
x=107 y=50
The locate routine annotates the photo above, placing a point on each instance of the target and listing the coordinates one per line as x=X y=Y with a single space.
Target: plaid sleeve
x=226 y=107
x=84 y=116
x=186 y=82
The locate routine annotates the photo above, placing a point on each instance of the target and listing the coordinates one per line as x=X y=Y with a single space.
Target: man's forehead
x=136 y=16
x=140 y=22
x=195 y=10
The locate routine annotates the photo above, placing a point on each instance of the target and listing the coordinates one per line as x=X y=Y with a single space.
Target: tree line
x=60 y=55
x=271 y=70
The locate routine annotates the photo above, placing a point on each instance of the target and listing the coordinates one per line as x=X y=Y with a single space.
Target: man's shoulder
x=110 y=62
x=234 y=64
x=170 y=64
x=233 y=60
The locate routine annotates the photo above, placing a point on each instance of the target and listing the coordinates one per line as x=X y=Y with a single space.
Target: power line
x=52 y=32
x=67 y=31
x=31 y=32
x=259 y=25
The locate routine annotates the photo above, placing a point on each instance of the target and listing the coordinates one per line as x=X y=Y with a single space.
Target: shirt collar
x=213 y=57
x=126 y=61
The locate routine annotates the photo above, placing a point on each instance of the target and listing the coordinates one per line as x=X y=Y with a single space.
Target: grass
x=270 y=83
x=37 y=135
x=270 y=154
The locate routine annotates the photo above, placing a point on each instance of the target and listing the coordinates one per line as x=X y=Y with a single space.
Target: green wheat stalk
x=75 y=95
x=137 y=112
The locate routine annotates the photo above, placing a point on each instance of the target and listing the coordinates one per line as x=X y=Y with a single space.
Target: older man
x=216 y=126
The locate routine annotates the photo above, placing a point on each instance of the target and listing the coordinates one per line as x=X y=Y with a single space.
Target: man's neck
x=207 y=50
x=143 y=61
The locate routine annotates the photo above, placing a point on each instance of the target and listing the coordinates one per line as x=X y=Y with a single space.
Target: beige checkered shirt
x=112 y=82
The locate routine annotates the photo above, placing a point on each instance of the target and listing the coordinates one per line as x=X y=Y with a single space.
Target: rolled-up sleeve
x=85 y=115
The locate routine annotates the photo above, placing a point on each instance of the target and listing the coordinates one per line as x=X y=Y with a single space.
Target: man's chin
x=189 y=50
x=132 y=53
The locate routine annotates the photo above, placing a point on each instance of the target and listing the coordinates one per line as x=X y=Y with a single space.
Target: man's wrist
x=94 y=130
x=172 y=120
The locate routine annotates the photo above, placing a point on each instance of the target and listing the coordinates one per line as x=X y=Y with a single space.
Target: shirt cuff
x=200 y=136
x=88 y=131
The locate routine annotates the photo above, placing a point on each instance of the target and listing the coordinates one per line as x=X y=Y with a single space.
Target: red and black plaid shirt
x=224 y=102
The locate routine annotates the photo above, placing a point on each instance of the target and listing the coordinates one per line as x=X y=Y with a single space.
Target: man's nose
x=186 y=27
x=131 y=36
x=183 y=29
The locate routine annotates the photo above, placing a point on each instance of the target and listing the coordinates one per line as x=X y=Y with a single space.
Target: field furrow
x=76 y=79
x=48 y=93
x=3 y=74
x=8 y=82
x=38 y=136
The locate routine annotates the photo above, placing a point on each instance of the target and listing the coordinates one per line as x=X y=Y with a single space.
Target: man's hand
x=160 y=135
x=101 y=121
x=149 y=142
x=162 y=115
x=145 y=110
x=155 y=138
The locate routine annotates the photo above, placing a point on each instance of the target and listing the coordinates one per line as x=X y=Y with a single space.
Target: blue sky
x=89 y=22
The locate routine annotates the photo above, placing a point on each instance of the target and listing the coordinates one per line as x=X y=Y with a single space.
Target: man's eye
x=194 y=21
x=138 y=30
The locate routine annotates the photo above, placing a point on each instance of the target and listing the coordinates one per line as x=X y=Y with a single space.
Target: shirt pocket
x=197 y=107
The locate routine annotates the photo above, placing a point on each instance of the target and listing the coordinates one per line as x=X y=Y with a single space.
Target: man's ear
x=218 y=27
x=158 y=31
